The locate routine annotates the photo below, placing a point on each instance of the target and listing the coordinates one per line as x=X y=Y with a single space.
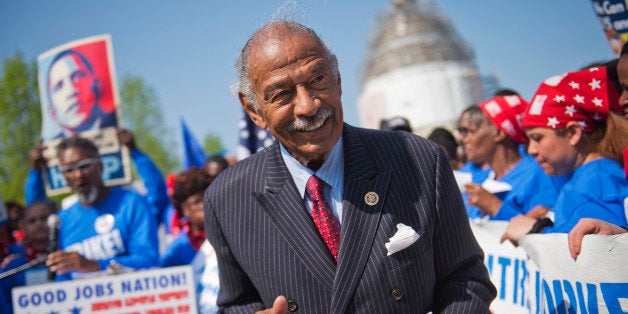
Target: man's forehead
x=275 y=54
x=75 y=153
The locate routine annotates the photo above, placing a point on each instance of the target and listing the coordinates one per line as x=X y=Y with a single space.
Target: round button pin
x=292 y=306
x=371 y=198
x=396 y=294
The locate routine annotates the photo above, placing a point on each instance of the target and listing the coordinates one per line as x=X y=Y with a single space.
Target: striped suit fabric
x=267 y=244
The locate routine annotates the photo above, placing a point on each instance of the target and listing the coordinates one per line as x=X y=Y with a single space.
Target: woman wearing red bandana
x=187 y=198
x=573 y=132
x=496 y=142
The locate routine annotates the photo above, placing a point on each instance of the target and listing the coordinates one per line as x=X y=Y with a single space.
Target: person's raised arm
x=154 y=182
x=34 y=189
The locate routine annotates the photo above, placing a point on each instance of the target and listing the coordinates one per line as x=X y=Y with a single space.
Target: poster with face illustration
x=79 y=97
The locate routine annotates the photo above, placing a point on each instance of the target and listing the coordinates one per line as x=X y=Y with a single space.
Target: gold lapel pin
x=371 y=198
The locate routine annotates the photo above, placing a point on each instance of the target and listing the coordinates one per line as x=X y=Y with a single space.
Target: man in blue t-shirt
x=107 y=226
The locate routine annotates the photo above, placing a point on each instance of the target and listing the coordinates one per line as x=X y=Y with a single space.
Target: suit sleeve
x=462 y=281
x=236 y=294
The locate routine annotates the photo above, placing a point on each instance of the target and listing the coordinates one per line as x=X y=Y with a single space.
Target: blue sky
x=185 y=50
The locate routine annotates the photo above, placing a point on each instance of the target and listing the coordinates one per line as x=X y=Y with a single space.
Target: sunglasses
x=84 y=166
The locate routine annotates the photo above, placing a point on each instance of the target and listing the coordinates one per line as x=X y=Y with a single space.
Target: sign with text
x=539 y=276
x=79 y=97
x=160 y=290
x=614 y=19
x=596 y=282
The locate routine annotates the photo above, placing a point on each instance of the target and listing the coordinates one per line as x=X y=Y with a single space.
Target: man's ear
x=574 y=132
x=253 y=113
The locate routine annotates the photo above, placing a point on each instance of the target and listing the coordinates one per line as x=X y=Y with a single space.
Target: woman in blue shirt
x=573 y=132
x=524 y=185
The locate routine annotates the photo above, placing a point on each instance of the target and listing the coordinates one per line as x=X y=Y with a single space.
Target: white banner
x=596 y=282
x=160 y=290
x=540 y=276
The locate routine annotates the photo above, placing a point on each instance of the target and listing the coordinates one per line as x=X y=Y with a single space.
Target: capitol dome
x=417 y=67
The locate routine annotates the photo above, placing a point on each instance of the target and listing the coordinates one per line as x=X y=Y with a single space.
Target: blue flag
x=193 y=154
x=252 y=138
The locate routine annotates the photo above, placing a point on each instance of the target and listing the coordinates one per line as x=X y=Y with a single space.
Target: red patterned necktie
x=327 y=224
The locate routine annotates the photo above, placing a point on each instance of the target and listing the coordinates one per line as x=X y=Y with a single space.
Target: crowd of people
x=308 y=222
x=105 y=228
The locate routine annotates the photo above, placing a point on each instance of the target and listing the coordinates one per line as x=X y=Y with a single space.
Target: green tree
x=142 y=114
x=212 y=144
x=20 y=123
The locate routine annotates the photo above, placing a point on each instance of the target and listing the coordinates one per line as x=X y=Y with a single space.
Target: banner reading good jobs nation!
x=79 y=96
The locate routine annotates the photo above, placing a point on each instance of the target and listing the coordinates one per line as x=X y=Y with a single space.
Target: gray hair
x=267 y=31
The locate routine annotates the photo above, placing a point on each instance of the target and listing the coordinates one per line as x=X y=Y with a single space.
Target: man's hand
x=517 y=228
x=589 y=226
x=63 y=262
x=280 y=306
x=36 y=156
x=127 y=139
x=482 y=198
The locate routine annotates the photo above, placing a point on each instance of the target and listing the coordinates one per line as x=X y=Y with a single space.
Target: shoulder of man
x=389 y=141
x=126 y=196
x=245 y=171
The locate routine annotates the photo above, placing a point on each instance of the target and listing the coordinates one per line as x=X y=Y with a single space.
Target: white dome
x=417 y=67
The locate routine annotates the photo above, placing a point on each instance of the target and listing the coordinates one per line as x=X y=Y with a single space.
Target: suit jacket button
x=292 y=306
x=396 y=294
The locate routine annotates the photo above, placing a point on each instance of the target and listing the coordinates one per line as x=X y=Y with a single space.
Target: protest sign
x=614 y=19
x=539 y=276
x=596 y=282
x=79 y=96
x=205 y=266
x=162 y=290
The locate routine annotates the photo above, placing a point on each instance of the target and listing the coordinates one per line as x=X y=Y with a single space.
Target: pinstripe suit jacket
x=267 y=244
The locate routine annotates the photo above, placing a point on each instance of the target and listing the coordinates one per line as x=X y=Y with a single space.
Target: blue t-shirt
x=597 y=189
x=118 y=229
x=478 y=175
x=530 y=187
x=179 y=252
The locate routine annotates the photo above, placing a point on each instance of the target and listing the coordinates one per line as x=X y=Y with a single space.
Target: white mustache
x=305 y=124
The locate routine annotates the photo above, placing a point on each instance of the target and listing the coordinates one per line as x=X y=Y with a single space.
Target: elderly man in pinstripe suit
x=282 y=246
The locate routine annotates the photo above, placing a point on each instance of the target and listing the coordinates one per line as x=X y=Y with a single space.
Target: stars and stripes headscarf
x=506 y=113
x=585 y=96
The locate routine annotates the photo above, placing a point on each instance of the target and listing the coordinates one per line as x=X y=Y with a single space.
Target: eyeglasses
x=84 y=166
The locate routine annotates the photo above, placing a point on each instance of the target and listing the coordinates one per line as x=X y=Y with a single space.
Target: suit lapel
x=285 y=207
x=360 y=220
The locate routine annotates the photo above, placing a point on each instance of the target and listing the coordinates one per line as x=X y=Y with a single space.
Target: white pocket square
x=403 y=238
